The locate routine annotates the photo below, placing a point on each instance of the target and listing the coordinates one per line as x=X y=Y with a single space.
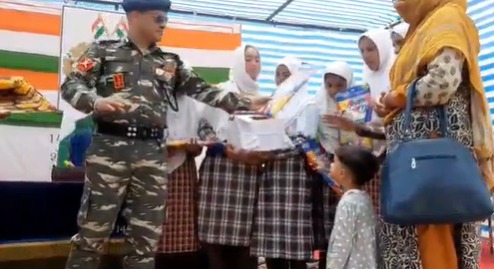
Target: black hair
x=361 y=162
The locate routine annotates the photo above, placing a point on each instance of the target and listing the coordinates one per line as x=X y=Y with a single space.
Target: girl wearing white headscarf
x=179 y=235
x=283 y=231
x=286 y=67
x=337 y=77
x=244 y=71
x=398 y=34
x=377 y=52
x=228 y=185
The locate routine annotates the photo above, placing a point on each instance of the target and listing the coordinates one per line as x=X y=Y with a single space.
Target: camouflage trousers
x=121 y=172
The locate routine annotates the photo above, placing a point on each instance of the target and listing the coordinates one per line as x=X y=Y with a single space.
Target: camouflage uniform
x=123 y=171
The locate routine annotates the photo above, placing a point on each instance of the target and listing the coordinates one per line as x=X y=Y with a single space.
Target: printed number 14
x=54 y=138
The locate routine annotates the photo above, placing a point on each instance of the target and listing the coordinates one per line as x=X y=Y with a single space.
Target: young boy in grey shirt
x=352 y=244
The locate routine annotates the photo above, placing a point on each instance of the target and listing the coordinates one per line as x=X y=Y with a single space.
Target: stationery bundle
x=355 y=104
x=288 y=89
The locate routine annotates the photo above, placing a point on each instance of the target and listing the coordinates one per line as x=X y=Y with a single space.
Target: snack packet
x=318 y=161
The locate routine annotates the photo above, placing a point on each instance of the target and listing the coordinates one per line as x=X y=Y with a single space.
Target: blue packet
x=319 y=162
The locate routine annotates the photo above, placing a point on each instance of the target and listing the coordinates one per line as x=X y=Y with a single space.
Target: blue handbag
x=431 y=181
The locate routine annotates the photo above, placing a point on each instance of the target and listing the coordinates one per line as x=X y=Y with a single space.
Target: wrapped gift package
x=254 y=132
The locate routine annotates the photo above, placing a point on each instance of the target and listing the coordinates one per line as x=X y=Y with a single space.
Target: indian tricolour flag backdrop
x=207 y=47
x=31 y=41
x=41 y=41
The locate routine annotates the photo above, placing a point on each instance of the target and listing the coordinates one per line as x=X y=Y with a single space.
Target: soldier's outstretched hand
x=106 y=105
x=258 y=102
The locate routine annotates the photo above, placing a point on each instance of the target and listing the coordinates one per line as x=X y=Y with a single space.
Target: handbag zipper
x=413 y=162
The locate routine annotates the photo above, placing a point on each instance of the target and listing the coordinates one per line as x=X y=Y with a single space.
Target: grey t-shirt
x=352 y=244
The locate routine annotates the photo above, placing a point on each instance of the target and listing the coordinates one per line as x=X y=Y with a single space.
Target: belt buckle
x=143 y=133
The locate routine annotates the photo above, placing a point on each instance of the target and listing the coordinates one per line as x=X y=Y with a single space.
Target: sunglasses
x=160 y=19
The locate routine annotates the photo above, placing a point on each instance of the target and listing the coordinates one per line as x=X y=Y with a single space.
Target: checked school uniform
x=180 y=227
x=284 y=224
x=227 y=198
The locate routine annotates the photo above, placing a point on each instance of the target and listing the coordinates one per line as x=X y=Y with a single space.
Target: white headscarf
x=239 y=81
x=379 y=80
x=328 y=136
x=401 y=29
x=292 y=63
x=302 y=119
x=325 y=103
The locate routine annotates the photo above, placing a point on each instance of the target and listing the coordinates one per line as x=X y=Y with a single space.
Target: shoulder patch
x=85 y=64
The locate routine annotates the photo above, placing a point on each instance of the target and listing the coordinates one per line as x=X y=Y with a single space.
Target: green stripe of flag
x=212 y=75
x=27 y=61
x=49 y=64
x=100 y=32
x=120 y=33
x=34 y=119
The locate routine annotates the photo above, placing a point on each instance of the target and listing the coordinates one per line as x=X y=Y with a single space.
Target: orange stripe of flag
x=49 y=24
x=40 y=80
x=193 y=39
x=30 y=22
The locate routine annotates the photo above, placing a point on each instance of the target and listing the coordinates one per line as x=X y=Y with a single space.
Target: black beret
x=146 y=5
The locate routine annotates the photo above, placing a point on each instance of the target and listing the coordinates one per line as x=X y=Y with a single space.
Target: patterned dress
x=441 y=85
x=353 y=241
x=180 y=227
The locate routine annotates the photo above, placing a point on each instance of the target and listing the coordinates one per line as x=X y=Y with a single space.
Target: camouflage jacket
x=144 y=81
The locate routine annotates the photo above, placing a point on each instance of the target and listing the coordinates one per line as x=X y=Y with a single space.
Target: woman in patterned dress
x=179 y=244
x=440 y=50
x=283 y=231
x=228 y=185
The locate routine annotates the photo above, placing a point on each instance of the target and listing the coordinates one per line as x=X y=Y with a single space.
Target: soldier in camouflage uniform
x=128 y=86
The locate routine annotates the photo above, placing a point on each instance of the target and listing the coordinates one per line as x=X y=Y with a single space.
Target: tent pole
x=279 y=9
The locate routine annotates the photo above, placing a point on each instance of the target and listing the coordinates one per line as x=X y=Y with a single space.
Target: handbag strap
x=457 y=238
x=406 y=127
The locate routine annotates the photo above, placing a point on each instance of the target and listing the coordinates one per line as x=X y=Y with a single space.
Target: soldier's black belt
x=129 y=131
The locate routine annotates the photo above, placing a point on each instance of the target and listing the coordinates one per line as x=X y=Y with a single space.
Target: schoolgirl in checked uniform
x=283 y=230
x=179 y=244
x=228 y=186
